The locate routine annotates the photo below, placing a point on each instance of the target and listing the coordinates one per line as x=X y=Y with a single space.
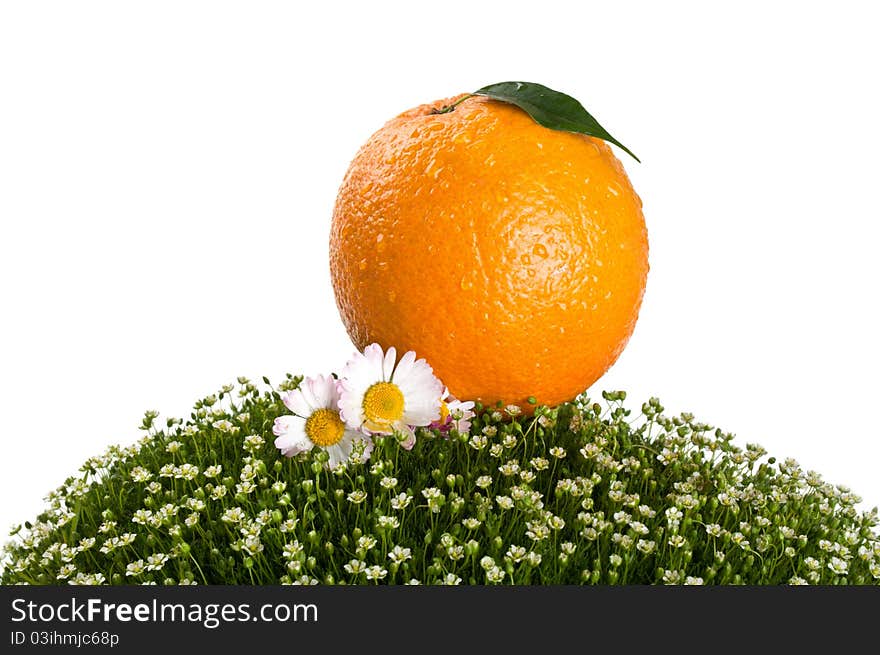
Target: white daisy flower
x=315 y=422
x=454 y=414
x=380 y=398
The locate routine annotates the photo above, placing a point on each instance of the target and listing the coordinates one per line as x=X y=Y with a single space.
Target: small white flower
x=797 y=581
x=740 y=540
x=126 y=538
x=539 y=463
x=65 y=571
x=495 y=575
x=356 y=566
x=504 y=502
x=245 y=487
x=224 y=426
x=431 y=493
x=451 y=579
x=156 y=561
x=253 y=442
x=213 y=471
x=558 y=452
x=186 y=472
x=509 y=468
x=376 y=573
x=366 y=543
x=291 y=550
x=135 y=568
x=646 y=546
x=691 y=580
x=671 y=577
x=142 y=516
x=388 y=522
x=714 y=530
x=379 y=395
x=401 y=501
x=527 y=476
x=455 y=552
x=315 y=421
x=233 y=515
x=471 y=523
x=388 y=482
x=398 y=555
x=673 y=514
x=537 y=531
x=838 y=565
x=639 y=528
x=478 y=442
x=484 y=481
x=357 y=497
x=516 y=554
x=140 y=474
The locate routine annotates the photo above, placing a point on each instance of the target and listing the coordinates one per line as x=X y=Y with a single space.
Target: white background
x=168 y=171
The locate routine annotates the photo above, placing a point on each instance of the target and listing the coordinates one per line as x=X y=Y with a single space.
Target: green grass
x=583 y=493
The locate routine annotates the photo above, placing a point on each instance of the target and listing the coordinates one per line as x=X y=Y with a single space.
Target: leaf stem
x=448 y=108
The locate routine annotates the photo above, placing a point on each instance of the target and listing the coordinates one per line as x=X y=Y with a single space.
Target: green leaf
x=550 y=108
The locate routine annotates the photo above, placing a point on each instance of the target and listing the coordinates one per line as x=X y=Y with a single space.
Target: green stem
x=448 y=108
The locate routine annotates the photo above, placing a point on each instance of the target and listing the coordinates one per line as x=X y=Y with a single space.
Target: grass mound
x=582 y=493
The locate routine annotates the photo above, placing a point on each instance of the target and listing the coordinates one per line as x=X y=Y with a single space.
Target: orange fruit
x=511 y=256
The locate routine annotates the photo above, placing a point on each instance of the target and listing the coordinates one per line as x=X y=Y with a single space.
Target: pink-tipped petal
x=296 y=402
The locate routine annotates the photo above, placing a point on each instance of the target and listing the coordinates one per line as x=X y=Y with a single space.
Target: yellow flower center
x=383 y=405
x=444 y=412
x=324 y=427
